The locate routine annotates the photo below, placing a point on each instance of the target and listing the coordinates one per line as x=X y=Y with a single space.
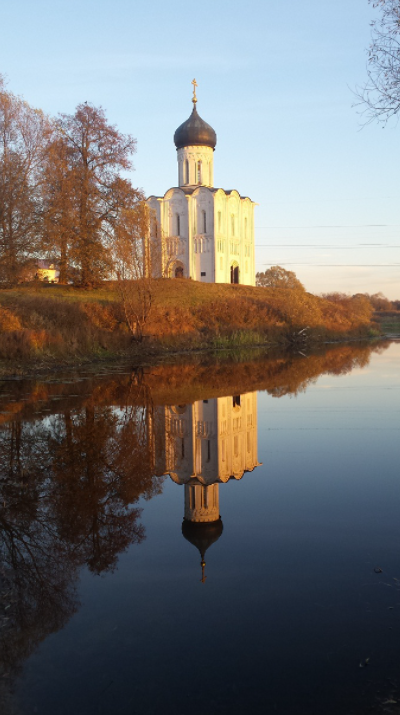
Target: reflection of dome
x=202 y=534
x=195 y=132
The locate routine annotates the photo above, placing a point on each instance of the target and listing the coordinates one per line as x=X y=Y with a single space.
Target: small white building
x=205 y=233
x=47 y=271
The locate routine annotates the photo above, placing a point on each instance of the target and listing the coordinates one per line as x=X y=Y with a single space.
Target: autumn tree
x=356 y=309
x=278 y=277
x=95 y=153
x=59 y=205
x=22 y=137
x=381 y=93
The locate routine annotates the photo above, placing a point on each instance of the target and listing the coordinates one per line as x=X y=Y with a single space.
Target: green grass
x=104 y=294
x=390 y=327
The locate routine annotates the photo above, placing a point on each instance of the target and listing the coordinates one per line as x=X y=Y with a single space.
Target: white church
x=205 y=233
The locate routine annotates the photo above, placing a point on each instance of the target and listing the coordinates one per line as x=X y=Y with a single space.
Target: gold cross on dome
x=194 y=83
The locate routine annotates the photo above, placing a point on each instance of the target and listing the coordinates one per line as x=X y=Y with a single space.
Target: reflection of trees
x=280 y=374
x=101 y=466
x=37 y=594
x=69 y=488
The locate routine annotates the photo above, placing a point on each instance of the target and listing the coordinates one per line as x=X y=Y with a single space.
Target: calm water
x=220 y=538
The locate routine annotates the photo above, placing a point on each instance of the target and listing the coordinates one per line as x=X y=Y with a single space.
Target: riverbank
x=46 y=326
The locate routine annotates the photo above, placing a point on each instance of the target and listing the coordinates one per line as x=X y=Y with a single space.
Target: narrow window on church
x=208 y=450
x=155 y=227
x=186 y=179
x=178 y=225
x=183 y=449
x=199 y=172
x=232 y=224
x=204 y=222
x=236 y=446
x=205 y=498
x=192 y=497
x=219 y=221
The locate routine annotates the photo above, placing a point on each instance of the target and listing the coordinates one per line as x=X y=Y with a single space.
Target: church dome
x=195 y=132
x=202 y=535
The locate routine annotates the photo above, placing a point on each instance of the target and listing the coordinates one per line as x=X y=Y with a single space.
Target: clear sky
x=276 y=81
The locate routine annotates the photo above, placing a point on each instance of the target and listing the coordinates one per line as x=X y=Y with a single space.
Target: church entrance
x=234 y=273
x=175 y=270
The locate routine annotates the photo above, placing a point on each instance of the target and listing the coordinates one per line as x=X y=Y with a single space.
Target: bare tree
x=381 y=93
x=134 y=258
x=23 y=133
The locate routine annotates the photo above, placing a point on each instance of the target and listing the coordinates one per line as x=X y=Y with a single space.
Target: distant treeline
x=278 y=277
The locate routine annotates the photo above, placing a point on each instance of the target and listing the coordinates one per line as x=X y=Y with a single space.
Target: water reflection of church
x=208 y=443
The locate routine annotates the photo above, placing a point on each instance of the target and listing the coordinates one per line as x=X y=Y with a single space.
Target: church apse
x=207 y=444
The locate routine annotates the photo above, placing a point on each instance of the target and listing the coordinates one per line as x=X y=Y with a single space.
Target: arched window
x=178 y=225
x=199 y=172
x=186 y=173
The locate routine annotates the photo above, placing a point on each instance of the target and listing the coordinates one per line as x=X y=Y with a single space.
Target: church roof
x=195 y=132
x=188 y=190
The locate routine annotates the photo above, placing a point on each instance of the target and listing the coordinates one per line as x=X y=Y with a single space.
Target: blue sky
x=276 y=81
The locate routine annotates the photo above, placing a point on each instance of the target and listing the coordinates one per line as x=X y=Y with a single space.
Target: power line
x=361 y=225
x=320 y=246
x=338 y=265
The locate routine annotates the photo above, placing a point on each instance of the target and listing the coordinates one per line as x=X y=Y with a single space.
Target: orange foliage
x=184 y=315
x=8 y=320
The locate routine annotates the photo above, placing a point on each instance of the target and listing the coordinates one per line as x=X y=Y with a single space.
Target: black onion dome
x=202 y=534
x=195 y=132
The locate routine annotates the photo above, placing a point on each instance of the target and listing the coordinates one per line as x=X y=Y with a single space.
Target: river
x=209 y=536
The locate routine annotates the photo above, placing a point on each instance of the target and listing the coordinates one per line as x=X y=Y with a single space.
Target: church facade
x=204 y=233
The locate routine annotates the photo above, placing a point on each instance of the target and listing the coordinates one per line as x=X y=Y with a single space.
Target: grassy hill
x=40 y=323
